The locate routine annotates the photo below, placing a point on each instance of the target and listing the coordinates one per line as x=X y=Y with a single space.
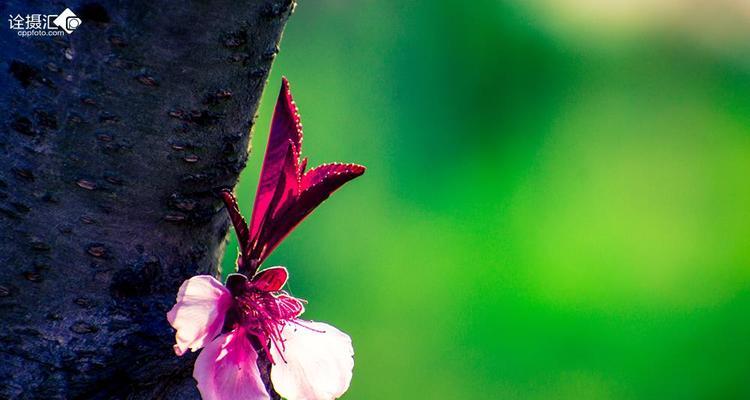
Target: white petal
x=319 y=362
x=227 y=369
x=198 y=315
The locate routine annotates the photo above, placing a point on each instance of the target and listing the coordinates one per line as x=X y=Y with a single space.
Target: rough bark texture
x=114 y=142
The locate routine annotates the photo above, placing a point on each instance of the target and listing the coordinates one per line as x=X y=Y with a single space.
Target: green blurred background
x=556 y=201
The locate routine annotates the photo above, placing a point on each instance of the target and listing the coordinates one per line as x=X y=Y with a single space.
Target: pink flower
x=232 y=322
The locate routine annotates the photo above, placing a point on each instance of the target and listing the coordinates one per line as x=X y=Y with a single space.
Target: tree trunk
x=115 y=140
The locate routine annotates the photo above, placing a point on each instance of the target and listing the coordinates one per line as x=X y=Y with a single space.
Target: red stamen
x=265 y=314
x=296 y=322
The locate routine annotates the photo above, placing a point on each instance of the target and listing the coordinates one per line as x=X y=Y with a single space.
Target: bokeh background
x=557 y=197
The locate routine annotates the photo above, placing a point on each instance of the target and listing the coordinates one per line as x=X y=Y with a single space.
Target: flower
x=251 y=312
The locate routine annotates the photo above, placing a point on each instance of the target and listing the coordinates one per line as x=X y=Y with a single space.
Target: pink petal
x=319 y=362
x=271 y=279
x=227 y=370
x=198 y=315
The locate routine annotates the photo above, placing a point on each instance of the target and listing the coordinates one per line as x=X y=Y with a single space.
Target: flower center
x=264 y=315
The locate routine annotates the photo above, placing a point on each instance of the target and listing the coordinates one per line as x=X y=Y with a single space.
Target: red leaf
x=285 y=128
x=286 y=193
x=318 y=174
x=287 y=189
x=240 y=226
x=317 y=185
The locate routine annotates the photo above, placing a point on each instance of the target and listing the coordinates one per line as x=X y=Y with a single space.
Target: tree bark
x=115 y=141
